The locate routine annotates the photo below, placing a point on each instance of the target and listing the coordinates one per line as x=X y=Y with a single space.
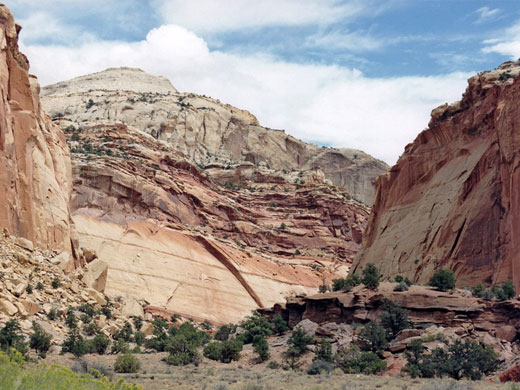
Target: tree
x=40 y=341
x=300 y=341
x=127 y=363
x=231 y=350
x=261 y=347
x=323 y=352
x=279 y=325
x=75 y=344
x=443 y=279
x=373 y=338
x=371 y=276
x=509 y=289
x=11 y=337
x=394 y=320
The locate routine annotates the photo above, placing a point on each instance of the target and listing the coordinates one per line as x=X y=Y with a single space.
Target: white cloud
x=353 y=41
x=325 y=103
x=486 y=14
x=508 y=44
x=212 y=16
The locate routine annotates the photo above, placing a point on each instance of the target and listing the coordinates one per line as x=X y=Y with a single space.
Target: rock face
x=206 y=130
x=453 y=198
x=173 y=237
x=35 y=177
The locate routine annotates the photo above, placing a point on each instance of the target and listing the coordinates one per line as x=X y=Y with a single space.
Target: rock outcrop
x=453 y=198
x=173 y=237
x=35 y=175
x=206 y=130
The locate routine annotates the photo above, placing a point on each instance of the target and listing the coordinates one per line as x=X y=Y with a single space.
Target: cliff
x=35 y=172
x=452 y=199
x=204 y=129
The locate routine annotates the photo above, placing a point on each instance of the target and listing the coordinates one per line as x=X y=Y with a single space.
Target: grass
x=21 y=376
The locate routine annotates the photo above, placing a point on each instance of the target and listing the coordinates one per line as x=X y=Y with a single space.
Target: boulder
x=132 y=308
x=95 y=275
x=7 y=307
x=24 y=243
x=308 y=327
x=506 y=332
x=97 y=296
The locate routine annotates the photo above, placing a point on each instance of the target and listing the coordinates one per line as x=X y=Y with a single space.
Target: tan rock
x=19 y=289
x=132 y=308
x=31 y=307
x=25 y=243
x=7 y=307
x=96 y=275
x=147 y=329
x=97 y=296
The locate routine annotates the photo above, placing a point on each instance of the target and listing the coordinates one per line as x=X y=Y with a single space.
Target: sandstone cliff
x=204 y=129
x=35 y=176
x=452 y=199
x=174 y=238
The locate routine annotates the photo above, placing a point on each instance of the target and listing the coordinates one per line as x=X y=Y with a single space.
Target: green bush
x=373 y=338
x=127 y=363
x=105 y=310
x=319 y=366
x=350 y=281
x=182 y=351
x=55 y=283
x=353 y=361
x=138 y=323
x=299 y=341
x=223 y=333
x=394 y=319
x=40 y=341
x=261 y=347
x=139 y=338
x=509 y=289
x=39 y=286
x=71 y=321
x=213 y=350
x=125 y=333
x=459 y=360
x=273 y=365
x=91 y=329
x=443 y=279
x=323 y=352
x=478 y=290
x=87 y=309
x=53 y=314
x=75 y=344
x=401 y=286
x=255 y=325
x=119 y=346
x=29 y=289
x=99 y=344
x=11 y=337
x=279 y=325
x=371 y=276
x=231 y=350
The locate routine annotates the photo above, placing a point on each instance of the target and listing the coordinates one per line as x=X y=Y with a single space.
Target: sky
x=362 y=74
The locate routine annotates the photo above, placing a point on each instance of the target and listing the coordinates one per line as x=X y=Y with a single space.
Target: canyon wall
x=453 y=198
x=35 y=172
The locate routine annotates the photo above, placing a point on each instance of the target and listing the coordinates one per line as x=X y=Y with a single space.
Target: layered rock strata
x=35 y=175
x=204 y=129
x=452 y=199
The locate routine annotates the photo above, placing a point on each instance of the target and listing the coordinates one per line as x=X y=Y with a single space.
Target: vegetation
x=40 y=341
x=353 y=361
x=127 y=363
x=299 y=342
x=372 y=338
x=261 y=348
x=11 y=337
x=320 y=366
x=15 y=375
x=371 y=276
x=254 y=325
x=346 y=284
x=324 y=352
x=223 y=333
x=394 y=319
x=55 y=283
x=458 y=360
x=99 y=344
x=75 y=344
x=443 y=279
x=279 y=325
x=500 y=293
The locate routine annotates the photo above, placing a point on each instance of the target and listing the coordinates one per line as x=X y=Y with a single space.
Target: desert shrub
x=323 y=352
x=323 y=289
x=499 y=294
x=399 y=278
x=509 y=289
x=29 y=289
x=401 y=286
x=279 y=325
x=105 y=310
x=353 y=361
x=255 y=324
x=299 y=341
x=181 y=359
x=39 y=286
x=182 y=351
x=119 y=346
x=99 y=344
x=11 y=337
x=223 y=333
x=39 y=340
x=138 y=323
x=373 y=338
x=394 y=319
x=213 y=350
x=273 y=365
x=71 y=321
x=53 y=314
x=292 y=358
x=75 y=344
x=478 y=290
x=87 y=309
x=443 y=279
x=459 y=360
x=91 y=329
x=127 y=363
x=371 y=276
x=319 y=366
x=55 y=283
x=125 y=333
x=139 y=338
x=160 y=337
x=231 y=350
x=347 y=283
x=261 y=347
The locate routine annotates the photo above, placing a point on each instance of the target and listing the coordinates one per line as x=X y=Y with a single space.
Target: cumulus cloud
x=330 y=104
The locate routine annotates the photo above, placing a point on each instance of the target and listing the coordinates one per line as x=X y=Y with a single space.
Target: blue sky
x=352 y=73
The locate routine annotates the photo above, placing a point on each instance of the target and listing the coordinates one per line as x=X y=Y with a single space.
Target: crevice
x=457 y=238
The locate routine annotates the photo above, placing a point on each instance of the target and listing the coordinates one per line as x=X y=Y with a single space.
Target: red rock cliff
x=35 y=175
x=453 y=198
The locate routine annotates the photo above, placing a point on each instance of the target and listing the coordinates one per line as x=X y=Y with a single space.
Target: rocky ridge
x=35 y=178
x=173 y=237
x=451 y=200
x=204 y=129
